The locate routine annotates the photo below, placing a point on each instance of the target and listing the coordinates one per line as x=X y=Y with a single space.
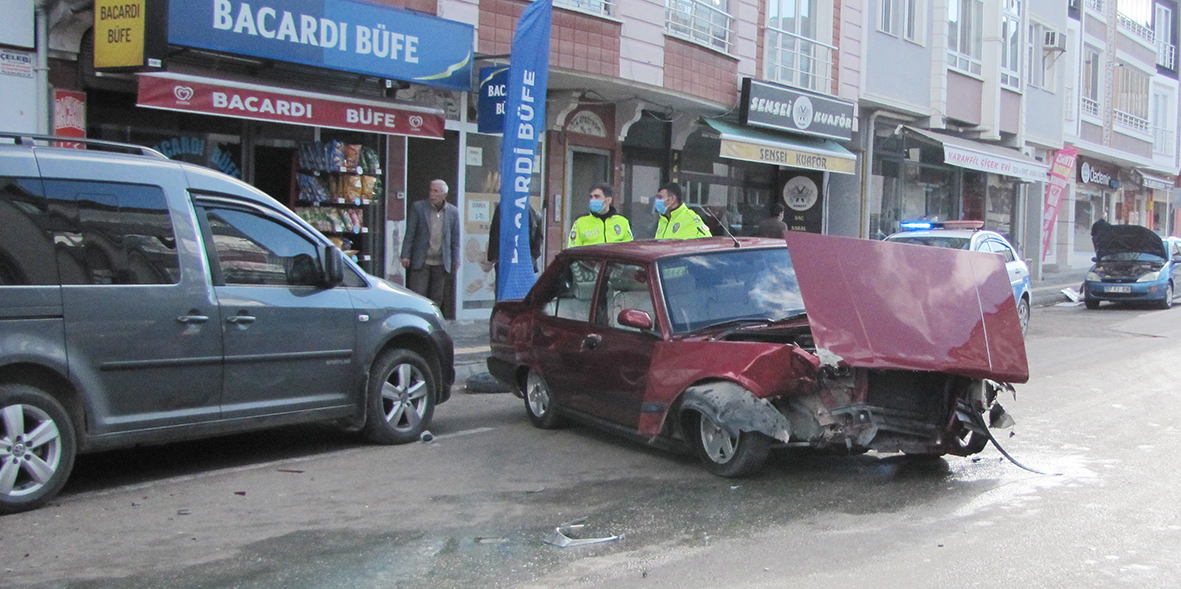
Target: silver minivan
x=144 y=300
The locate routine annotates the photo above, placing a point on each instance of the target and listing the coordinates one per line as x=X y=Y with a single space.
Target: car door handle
x=193 y=318
x=241 y=319
x=592 y=341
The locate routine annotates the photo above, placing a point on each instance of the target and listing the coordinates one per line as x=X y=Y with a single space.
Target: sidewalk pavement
x=471 y=336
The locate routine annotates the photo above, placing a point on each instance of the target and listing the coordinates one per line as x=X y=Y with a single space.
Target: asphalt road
x=310 y=507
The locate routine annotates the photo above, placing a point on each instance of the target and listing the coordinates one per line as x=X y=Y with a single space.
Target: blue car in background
x=1133 y=264
x=968 y=235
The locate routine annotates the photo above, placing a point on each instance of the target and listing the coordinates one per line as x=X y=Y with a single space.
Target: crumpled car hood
x=876 y=304
x=1120 y=239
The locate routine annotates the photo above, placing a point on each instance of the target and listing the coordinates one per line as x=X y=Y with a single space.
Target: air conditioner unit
x=1054 y=41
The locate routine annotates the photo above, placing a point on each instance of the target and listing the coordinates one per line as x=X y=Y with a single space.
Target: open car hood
x=1122 y=239
x=888 y=305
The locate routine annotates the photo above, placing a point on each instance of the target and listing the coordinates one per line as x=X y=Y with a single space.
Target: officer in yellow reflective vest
x=603 y=224
x=677 y=221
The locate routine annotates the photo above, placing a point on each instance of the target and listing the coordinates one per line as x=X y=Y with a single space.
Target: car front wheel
x=539 y=403
x=37 y=447
x=1167 y=303
x=401 y=398
x=723 y=454
x=1023 y=314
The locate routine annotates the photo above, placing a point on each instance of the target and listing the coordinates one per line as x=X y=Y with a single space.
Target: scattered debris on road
x=560 y=538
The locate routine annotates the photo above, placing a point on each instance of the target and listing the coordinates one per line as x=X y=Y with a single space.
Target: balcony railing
x=1136 y=29
x=798 y=61
x=698 y=21
x=1133 y=122
x=1162 y=141
x=1096 y=5
x=1090 y=107
x=603 y=7
x=1166 y=55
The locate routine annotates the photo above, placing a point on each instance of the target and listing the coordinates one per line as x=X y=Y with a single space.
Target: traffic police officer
x=677 y=221
x=603 y=224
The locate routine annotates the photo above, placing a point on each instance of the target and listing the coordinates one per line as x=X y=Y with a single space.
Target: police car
x=968 y=235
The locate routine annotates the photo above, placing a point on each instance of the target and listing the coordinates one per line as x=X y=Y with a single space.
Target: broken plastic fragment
x=828 y=359
x=426 y=436
x=561 y=540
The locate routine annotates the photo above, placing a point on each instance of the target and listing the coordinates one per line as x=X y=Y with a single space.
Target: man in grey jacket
x=430 y=250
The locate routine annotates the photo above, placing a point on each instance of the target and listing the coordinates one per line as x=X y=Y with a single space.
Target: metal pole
x=44 y=112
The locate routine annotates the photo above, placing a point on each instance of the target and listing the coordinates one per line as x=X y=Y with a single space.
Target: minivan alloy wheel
x=401 y=398
x=36 y=447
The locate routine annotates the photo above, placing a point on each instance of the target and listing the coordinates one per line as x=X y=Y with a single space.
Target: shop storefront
x=313 y=102
x=783 y=149
x=1158 y=196
x=925 y=175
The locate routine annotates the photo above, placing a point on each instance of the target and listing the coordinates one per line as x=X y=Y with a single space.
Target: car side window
x=26 y=234
x=627 y=288
x=112 y=233
x=570 y=296
x=255 y=250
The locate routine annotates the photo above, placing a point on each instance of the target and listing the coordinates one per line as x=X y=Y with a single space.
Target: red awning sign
x=251 y=101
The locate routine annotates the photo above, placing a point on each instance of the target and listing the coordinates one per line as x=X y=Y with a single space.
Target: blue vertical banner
x=524 y=123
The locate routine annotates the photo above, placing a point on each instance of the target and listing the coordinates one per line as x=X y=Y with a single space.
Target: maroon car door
x=615 y=374
x=563 y=334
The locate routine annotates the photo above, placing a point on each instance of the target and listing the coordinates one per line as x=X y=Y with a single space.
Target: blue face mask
x=596 y=205
x=660 y=208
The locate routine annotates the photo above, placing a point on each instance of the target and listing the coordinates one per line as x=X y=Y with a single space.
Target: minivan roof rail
x=32 y=139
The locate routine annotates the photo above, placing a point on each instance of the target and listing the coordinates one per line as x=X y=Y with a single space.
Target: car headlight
x=1150 y=277
x=1093 y=277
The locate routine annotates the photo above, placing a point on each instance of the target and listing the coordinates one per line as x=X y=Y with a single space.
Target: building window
x=1092 y=80
x=707 y=22
x=912 y=20
x=1131 y=98
x=1039 y=63
x=601 y=7
x=796 y=55
x=1011 y=44
x=964 y=35
x=1162 y=127
x=886 y=17
x=1166 y=52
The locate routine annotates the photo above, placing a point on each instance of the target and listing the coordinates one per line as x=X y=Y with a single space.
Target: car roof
x=968 y=233
x=648 y=250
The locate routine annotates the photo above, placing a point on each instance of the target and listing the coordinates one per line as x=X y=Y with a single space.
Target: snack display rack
x=337 y=190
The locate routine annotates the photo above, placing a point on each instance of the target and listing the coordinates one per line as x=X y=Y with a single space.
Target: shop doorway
x=587 y=168
x=427 y=160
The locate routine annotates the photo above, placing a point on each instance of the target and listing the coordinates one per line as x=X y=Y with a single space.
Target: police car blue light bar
x=957 y=224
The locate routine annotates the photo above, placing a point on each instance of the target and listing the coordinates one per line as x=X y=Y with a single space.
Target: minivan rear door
x=141 y=327
x=289 y=340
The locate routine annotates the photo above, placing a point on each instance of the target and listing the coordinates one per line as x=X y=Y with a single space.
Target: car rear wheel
x=1023 y=314
x=539 y=403
x=401 y=398
x=1091 y=303
x=723 y=454
x=37 y=447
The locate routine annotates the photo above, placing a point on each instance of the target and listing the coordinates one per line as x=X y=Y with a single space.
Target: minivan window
x=112 y=233
x=255 y=250
x=26 y=234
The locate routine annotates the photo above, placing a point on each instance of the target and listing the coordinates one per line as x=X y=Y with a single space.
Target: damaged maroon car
x=734 y=346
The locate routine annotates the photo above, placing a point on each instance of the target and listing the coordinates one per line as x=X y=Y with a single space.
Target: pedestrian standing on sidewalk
x=430 y=250
x=603 y=224
x=677 y=221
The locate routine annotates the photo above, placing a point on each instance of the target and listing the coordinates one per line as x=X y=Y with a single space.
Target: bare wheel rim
x=719 y=445
x=1023 y=314
x=30 y=449
x=404 y=397
x=538 y=395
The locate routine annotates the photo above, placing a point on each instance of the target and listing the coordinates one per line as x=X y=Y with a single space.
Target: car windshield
x=955 y=243
x=728 y=287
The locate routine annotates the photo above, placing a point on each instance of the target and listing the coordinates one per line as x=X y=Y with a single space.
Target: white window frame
x=1041 y=70
x=1011 y=44
x=1090 y=82
x=1133 y=93
x=1162 y=28
x=798 y=57
x=705 y=22
x=1161 y=115
x=967 y=31
x=887 y=16
x=913 y=20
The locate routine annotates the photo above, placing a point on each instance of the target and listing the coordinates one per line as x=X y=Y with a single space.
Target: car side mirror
x=333 y=266
x=635 y=318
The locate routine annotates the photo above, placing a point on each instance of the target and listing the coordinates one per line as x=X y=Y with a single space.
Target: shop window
x=112 y=233
x=965 y=19
x=1088 y=208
